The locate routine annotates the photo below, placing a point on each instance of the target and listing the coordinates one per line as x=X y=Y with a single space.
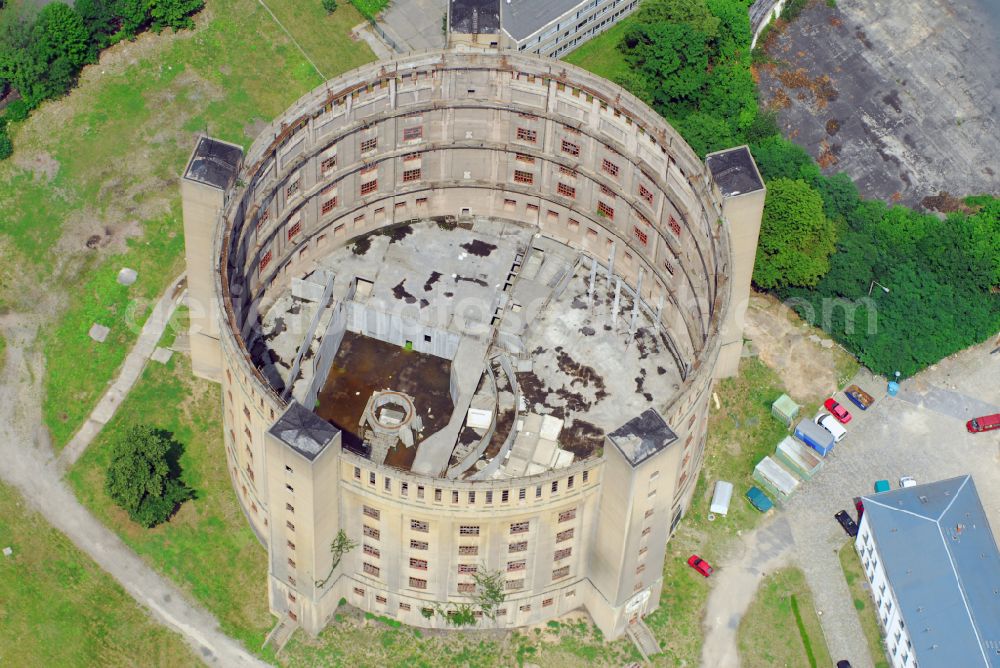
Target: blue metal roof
x=942 y=562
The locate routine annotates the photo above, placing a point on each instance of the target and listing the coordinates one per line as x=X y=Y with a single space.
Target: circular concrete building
x=465 y=308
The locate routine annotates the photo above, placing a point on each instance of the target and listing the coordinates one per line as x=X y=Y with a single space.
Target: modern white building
x=934 y=569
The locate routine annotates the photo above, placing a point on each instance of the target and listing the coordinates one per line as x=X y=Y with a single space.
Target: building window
x=608 y=192
x=454 y=496
x=570 y=147
x=328 y=164
x=640 y=235
x=357 y=473
x=410 y=134
x=404 y=488
x=380 y=598
x=645 y=194
x=566 y=191
x=369 y=144
x=369 y=187
x=546 y=602
x=489 y=496
x=516 y=565
x=538 y=491
x=675 y=227
x=370 y=569
x=564 y=535
x=605 y=210
x=520 y=546
x=586 y=475
x=525 y=608
x=566 y=171
x=289 y=507
x=387 y=483
x=472 y=497
x=418 y=544
x=525 y=158
x=420 y=491
x=329 y=205
x=371 y=477
x=609 y=167
x=645 y=532
x=468 y=530
x=468 y=550
x=266 y=260
x=404 y=606
x=411 y=174
x=293 y=187
x=294 y=230
x=290 y=526
x=562 y=554
x=524 y=134
x=437 y=495
x=567 y=515
x=640 y=568
x=291 y=597
x=417 y=583
x=649 y=513
x=291 y=580
x=418 y=525
x=410 y=157
x=560 y=572
x=371 y=532
x=521 y=494
x=371 y=512
x=370 y=551
x=290 y=544
x=523 y=177
x=419 y=564
x=291 y=562
x=466 y=587
x=519 y=527
x=505 y=496
x=467 y=568
x=514 y=584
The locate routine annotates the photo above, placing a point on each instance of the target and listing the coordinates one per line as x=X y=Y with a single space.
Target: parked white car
x=830 y=423
x=907 y=481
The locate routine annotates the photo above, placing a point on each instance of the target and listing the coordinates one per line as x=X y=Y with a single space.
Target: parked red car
x=838 y=411
x=984 y=423
x=700 y=565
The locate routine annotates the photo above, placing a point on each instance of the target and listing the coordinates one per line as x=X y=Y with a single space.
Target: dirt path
x=26 y=462
x=764 y=550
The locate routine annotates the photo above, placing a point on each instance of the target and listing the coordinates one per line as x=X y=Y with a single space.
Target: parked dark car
x=859 y=397
x=759 y=500
x=843 y=663
x=850 y=526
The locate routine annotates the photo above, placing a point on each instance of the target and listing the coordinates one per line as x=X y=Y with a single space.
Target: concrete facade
x=452 y=137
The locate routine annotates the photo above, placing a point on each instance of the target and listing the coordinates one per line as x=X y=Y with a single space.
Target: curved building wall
x=458 y=134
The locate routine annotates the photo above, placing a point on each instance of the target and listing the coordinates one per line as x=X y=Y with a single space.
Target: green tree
x=331 y=5
x=59 y=34
x=6 y=146
x=143 y=476
x=175 y=14
x=673 y=58
x=100 y=19
x=693 y=13
x=796 y=238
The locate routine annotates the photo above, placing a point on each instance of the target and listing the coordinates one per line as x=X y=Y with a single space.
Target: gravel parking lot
x=920 y=432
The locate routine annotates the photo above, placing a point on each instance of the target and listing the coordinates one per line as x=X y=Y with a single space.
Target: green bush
x=329 y=5
x=6 y=146
x=17 y=111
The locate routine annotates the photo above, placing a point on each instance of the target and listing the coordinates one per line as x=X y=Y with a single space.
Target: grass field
x=101 y=164
x=207 y=548
x=58 y=608
x=781 y=628
x=601 y=55
x=863 y=603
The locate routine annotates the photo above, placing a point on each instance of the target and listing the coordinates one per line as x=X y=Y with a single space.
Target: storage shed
x=799 y=459
x=721 y=497
x=775 y=479
x=785 y=409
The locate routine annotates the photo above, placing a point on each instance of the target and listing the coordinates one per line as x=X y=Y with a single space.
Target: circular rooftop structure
x=528 y=255
x=501 y=237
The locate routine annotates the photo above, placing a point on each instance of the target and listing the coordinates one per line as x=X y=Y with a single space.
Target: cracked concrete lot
x=903 y=96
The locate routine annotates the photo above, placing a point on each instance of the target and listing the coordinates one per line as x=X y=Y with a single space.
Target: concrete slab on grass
x=98 y=332
x=161 y=355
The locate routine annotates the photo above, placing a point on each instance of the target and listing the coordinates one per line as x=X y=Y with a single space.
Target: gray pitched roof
x=942 y=561
x=214 y=162
x=523 y=17
x=303 y=431
x=734 y=171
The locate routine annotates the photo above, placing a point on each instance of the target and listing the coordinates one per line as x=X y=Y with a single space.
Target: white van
x=830 y=423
